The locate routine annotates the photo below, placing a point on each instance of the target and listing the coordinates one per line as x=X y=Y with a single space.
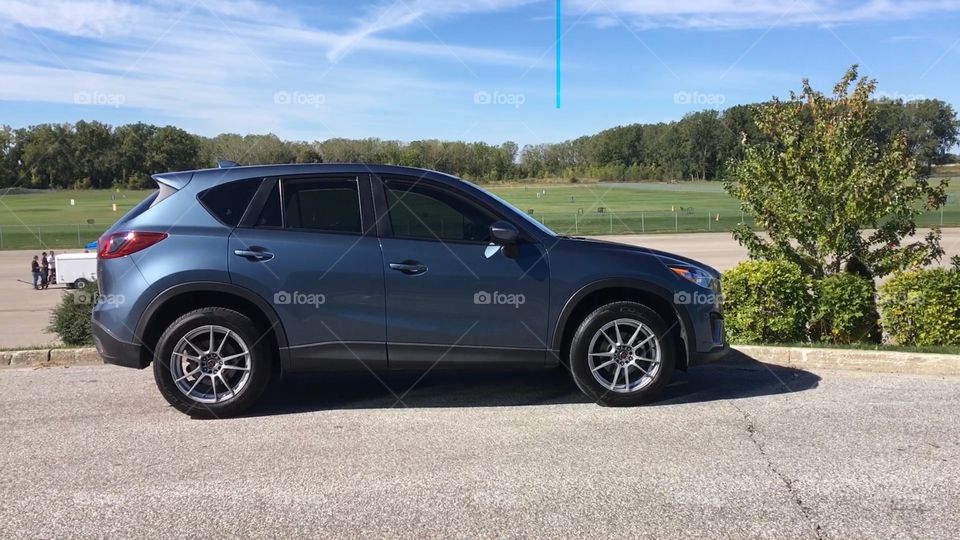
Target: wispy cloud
x=743 y=14
x=397 y=14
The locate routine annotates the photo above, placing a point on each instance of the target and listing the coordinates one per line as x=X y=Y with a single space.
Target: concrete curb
x=855 y=360
x=50 y=357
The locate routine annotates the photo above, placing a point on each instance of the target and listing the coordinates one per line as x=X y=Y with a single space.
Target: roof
x=210 y=177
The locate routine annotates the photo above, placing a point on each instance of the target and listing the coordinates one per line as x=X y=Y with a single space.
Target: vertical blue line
x=558 y=54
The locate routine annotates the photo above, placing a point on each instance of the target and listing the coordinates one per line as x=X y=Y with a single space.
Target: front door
x=452 y=298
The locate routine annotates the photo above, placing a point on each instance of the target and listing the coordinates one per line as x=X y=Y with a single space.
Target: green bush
x=922 y=307
x=844 y=310
x=766 y=302
x=71 y=318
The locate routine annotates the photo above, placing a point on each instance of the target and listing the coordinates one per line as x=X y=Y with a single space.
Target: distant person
x=35 y=270
x=44 y=271
x=52 y=263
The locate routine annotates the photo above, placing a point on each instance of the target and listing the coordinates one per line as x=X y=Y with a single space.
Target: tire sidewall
x=235 y=322
x=580 y=368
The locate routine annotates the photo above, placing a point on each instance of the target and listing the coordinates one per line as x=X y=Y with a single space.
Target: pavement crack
x=792 y=489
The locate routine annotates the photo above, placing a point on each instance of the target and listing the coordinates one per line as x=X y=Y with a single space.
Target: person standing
x=52 y=263
x=35 y=270
x=44 y=270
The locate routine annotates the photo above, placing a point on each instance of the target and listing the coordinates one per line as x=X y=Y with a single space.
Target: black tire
x=261 y=358
x=80 y=284
x=579 y=361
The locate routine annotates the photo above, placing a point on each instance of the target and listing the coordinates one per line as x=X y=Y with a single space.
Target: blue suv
x=225 y=278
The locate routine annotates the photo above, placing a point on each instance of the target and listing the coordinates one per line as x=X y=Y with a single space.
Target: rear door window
x=331 y=205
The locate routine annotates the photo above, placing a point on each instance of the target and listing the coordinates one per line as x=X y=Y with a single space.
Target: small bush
x=845 y=310
x=922 y=307
x=71 y=318
x=766 y=302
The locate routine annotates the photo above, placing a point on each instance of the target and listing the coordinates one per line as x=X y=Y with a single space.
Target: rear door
x=307 y=245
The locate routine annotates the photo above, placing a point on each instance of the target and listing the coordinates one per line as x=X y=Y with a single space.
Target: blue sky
x=451 y=69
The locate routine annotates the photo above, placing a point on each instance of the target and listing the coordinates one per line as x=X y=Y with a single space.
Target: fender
x=686 y=325
x=215 y=286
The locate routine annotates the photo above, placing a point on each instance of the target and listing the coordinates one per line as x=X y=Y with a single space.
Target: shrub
x=922 y=307
x=71 y=318
x=845 y=310
x=766 y=302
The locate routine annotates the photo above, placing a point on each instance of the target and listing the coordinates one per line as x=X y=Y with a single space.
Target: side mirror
x=504 y=233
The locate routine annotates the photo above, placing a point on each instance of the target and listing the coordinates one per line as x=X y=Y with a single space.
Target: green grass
x=39 y=220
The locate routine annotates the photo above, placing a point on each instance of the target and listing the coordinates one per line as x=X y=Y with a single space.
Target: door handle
x=409 y=268
x=257 y=255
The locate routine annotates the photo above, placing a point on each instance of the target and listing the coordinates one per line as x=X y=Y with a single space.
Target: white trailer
x=76 y=269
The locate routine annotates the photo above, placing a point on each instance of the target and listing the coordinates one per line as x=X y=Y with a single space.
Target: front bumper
x=115 y=351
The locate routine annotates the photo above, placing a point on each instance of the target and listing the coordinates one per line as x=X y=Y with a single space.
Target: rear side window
x=322 y=205
x=227 y=202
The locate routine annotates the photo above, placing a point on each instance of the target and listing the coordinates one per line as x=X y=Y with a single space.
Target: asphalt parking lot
x=736 y=450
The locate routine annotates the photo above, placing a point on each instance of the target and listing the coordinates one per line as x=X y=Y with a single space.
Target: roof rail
x=226 y=164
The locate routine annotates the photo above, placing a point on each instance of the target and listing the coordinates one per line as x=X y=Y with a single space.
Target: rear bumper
x=115 y=351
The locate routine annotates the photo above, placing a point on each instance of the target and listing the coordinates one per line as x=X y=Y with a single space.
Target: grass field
x=48 y=220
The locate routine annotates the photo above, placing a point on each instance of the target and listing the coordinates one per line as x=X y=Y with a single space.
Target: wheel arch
x=184 y=297
x=591 y=296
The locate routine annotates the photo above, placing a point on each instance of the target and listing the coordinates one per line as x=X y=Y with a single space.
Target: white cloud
x=397 y=14
x=215 y=65
x=742 y=14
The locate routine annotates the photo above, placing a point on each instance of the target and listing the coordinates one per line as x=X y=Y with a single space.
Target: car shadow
x=736 y=377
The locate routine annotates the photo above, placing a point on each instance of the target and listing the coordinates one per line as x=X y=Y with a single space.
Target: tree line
x=92 y=154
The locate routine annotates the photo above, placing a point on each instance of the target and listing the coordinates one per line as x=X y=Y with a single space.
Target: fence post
x=79 y=244
x=941 y=215
x=40 y=234
x=643 y=224
x=611 y=222
x=1 y=236
x=576 y=223
x=676 y=222
x=708 y=221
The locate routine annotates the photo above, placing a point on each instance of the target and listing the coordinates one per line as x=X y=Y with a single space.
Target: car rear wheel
x=622 y=354
x=212 y=363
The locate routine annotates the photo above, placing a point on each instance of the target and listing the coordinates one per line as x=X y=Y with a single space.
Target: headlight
x=696 y=275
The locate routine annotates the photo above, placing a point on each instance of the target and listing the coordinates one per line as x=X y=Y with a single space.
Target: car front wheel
x=622 y=354
x=212 y=363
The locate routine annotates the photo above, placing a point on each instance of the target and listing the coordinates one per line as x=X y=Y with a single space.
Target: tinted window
x=227 y=202
x=270 y=215
x=323 y=205
x=420 y=211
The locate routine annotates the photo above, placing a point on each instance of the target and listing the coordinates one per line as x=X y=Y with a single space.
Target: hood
x=665 y=256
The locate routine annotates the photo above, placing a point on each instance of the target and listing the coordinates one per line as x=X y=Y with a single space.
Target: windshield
x=529 y=219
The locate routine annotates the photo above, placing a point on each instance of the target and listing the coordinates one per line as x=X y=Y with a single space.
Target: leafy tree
x=825 y=192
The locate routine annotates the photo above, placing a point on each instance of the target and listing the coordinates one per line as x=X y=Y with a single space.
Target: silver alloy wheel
x=210 y=364
x=624 y=356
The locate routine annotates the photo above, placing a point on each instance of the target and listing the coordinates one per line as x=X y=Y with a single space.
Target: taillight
x=121 y=244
